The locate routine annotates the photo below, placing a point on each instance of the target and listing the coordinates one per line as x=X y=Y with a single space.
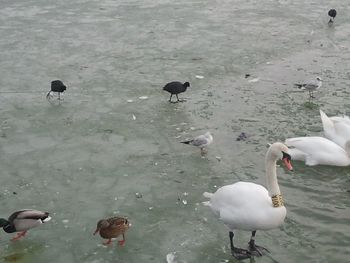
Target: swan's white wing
x=297 y=154
x=327 y=123
x=329 y=129
x=342 y=131
x=337 y=129
x=246 y=206
x=344 y=119
x=313 y=144
x=319 y=150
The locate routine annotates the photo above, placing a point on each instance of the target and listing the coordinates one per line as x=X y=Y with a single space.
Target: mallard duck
x=111 y=228
x=23 y=220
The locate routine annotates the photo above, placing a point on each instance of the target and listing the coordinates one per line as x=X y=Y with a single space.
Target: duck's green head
x=3 y=222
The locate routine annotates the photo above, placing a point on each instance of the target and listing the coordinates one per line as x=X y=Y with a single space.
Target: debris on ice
x=170 y=258
x=253 y=80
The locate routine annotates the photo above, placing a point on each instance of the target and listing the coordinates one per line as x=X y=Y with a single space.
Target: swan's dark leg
x=238 y=253
x=170 y=97
x=256 y=250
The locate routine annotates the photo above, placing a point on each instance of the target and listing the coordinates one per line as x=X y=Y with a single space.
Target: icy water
x=87 y=158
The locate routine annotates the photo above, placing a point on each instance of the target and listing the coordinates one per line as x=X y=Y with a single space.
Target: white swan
x=318 y=150
x=251 y=207
x=336 y=129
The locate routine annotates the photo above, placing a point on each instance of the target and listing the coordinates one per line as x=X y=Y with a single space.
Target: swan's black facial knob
x=286 y=158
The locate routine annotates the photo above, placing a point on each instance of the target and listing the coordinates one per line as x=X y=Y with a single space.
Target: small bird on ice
x=332 y=13
x=201 y=141
x=175 y=88
x=310 y=86
x=56 y=86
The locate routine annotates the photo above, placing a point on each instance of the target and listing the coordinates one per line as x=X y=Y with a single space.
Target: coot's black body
x=57 y=86
x=175 y=88
x=332 y=13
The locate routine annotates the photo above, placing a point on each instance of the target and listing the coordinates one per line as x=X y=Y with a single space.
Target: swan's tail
x=207 y=195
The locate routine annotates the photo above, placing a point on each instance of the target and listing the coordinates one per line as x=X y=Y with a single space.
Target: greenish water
x=87 y=158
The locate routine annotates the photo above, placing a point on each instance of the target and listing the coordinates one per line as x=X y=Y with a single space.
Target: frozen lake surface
x=87 y=158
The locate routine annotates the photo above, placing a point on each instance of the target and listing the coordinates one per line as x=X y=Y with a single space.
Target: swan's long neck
x=272 y=184
x=271 y=176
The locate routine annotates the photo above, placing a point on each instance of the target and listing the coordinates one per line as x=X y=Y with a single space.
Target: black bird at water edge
x=56 y=86
x=176 y=87
x=332 y=13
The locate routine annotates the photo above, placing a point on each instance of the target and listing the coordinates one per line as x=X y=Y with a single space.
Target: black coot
x=175 y=88
x=332 y=13
x=56 y=86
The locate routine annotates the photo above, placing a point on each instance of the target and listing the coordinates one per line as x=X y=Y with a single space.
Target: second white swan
x=318 y=150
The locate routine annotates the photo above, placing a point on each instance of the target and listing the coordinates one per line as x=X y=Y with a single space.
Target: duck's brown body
x=111 y=228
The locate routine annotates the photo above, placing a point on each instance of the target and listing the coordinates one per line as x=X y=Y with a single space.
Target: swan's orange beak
x=287 y=163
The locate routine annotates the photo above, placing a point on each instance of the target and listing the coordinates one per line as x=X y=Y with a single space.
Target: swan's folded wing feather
x=319 y=150
x=296 y=154
x=342 y=131
x=313 y=145
x=310 y=161
x=344 y=119
x=327 y=123
x=337 y=129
